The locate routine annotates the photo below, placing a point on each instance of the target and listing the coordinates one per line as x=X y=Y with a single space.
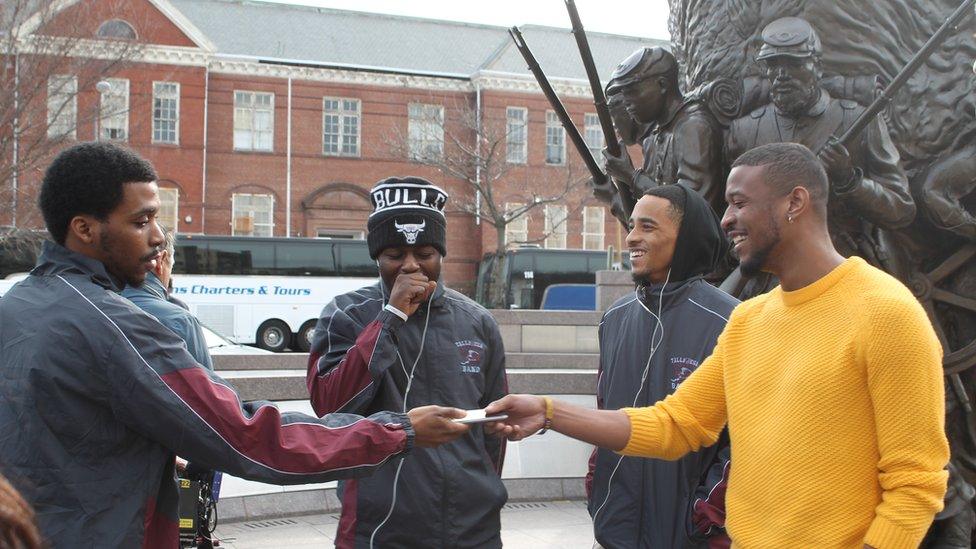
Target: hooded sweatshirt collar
x=701 y=244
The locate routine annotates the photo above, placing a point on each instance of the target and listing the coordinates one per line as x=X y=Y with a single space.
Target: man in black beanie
x=403 y=341
x=649 y=343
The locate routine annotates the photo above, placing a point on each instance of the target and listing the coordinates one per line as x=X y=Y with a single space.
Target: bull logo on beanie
x=410 y=230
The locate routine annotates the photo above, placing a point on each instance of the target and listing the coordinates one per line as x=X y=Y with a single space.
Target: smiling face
x=651 y=240
x=129 y=240
x=794 y=82
x=752 y=219
x=397 y=260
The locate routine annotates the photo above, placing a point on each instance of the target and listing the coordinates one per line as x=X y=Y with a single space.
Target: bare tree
x=467 y=146
x=51 y=64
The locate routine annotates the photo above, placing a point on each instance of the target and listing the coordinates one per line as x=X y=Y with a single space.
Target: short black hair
x=789 y=165
x=676 y=200
x=88 y=179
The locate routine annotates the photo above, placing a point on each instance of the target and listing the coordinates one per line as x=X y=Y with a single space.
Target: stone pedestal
x=611 y=286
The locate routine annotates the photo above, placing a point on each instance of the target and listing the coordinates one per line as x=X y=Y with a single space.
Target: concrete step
x=274 y=361
x=513 y=360
x=278 y=384
x=294 y=500
x=571 y=361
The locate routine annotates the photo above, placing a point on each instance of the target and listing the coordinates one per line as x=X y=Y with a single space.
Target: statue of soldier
x=869 y=191
x=683 y=139
x=868 y=188
x=630 y=132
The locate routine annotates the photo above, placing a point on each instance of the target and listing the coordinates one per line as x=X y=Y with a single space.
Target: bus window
x=597 y=263
x=561 y=263
x=303 y=258
x=190 y=258
x=256 y=258
x=521 y=262
x=354 y=259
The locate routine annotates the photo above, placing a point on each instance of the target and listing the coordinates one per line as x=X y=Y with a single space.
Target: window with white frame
x=166 y=112
x=555 y=140
x=114 y=111
x=517 y=231
x=340 y=126
x=252 y=214
x=593 y=134
x=516 y=135
x=62 y=106
x=425 y=131
x=593 y=225
x=169 y=208
x=555 y=226
x=253 y=121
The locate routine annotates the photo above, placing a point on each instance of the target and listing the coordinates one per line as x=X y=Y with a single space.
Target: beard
x=116 y=262
x=754 y=264
x=642 y=280
x=795 y=101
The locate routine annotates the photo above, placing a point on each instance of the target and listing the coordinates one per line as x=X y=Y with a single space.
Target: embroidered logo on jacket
x=410 y=230
x=681 y=368
x=472 y=353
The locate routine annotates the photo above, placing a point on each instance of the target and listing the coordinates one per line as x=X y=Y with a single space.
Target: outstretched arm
x=690 y=418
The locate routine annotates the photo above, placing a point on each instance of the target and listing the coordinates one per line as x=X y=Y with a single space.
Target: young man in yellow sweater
x=831 y=384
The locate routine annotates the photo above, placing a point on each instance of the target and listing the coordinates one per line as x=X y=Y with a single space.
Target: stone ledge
x=324 y=500
x=299 y=361
x=582 y=361
x=291 y=385
x=545 y=318
x=276 y=361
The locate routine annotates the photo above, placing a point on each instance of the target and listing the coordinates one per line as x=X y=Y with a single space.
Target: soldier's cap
x=640 y=65
x=790 y=37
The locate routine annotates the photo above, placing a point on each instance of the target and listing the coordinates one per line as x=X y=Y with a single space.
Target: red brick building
x=270 y=119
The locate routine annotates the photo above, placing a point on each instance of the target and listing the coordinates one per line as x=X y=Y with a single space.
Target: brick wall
x=327 y=192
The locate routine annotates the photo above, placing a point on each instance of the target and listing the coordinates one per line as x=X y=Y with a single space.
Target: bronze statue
x=869 y=190
x=932 y=128
x=629 y=130
x=683 y=143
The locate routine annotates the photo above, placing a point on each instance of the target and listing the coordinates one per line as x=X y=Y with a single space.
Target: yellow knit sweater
x=833 y=395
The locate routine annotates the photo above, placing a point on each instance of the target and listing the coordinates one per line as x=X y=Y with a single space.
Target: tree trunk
x=497 y=283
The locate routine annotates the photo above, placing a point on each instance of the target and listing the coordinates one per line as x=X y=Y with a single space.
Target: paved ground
x=563 y=524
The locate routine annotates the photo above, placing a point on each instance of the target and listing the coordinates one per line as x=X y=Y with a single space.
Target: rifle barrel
x=557 y=106
x=599 y=100
x=902 y=77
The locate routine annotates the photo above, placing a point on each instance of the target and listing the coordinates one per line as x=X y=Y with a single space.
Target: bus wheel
x=273 y=335
x=303 y=339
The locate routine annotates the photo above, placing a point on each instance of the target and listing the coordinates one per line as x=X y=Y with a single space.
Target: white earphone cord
x=406 y=393
x=647 y=369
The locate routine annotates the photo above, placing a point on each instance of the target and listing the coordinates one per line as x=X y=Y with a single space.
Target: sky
x=645 y=18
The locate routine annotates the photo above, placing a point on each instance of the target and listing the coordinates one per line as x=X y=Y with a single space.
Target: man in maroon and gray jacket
x=405 y=341
x=96 y=396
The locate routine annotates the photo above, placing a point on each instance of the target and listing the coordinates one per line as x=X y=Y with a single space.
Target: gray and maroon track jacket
x=96 y=396
x=361 y=355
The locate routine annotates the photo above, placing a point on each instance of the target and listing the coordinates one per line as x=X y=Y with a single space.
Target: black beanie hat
x=407 y=211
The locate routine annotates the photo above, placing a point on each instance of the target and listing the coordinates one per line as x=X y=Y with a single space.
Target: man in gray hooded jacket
x=649 y=343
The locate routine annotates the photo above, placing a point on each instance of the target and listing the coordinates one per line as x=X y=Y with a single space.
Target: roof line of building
x=317 y=9
x=340 y=66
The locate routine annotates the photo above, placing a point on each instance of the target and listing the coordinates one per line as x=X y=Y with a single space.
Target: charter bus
x=267 y=292
x=529 y=271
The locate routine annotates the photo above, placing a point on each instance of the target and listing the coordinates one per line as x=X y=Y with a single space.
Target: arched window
x=117 y=29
